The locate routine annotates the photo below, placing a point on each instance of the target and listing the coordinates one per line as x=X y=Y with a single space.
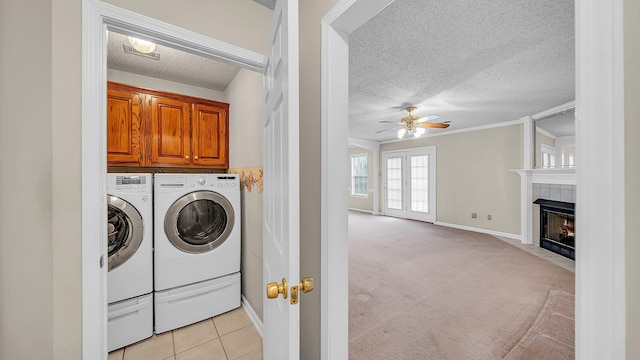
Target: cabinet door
x=124 y=128
x=170 y=132
x=209 y=136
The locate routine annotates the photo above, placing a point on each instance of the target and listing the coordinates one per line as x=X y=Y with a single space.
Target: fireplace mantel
x=549 y=176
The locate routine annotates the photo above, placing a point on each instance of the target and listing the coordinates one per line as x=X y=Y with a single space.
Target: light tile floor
x=228 y=336
x=536 y=250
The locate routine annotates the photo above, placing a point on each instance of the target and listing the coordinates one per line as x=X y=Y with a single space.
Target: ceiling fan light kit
x=416 y=132
x=414 y=126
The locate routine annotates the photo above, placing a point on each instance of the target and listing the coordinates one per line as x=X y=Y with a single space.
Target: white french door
x=281 y=225
x=410 y=183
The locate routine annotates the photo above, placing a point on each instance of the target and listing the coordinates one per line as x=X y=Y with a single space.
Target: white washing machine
x=197 y=247
x=130 y=264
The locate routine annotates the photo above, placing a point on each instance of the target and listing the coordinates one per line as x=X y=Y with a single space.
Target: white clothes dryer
x=197 y=247
x=130 y=263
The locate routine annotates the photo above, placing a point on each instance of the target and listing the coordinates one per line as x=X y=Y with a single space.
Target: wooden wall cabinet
x=209 y=131
x=158 y=129
x=125 y=130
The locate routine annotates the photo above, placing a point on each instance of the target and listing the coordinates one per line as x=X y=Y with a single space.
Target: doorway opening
x=98 y=17
x=598 y=47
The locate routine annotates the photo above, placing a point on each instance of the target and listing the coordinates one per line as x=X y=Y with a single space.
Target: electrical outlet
x=473 y=215
x=489 y=217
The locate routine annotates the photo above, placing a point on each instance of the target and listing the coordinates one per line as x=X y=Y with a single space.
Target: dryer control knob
x=202 y=181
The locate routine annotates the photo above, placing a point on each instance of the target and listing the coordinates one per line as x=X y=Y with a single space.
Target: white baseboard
x=252 y=315
x=361 y=210
x=484 y=231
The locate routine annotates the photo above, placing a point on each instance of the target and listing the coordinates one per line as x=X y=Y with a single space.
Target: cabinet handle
x=195 y=157
x=186 y=157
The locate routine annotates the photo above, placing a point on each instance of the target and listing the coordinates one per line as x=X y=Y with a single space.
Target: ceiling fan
x=412 y=125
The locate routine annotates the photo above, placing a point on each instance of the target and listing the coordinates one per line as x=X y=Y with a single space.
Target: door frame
x=600 y=268
x=97 y=17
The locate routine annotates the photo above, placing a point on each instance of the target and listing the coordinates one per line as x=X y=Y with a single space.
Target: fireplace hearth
x=557 y=227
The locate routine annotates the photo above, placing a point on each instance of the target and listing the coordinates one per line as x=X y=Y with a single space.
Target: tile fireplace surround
x=549 y=184
x=556 y=192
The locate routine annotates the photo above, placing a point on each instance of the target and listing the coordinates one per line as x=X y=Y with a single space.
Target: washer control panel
x=214 y=181
x=129 y=183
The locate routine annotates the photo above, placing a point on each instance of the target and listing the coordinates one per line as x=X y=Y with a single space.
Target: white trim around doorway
x=600 y=266
x=345 y=17
x=97 y=17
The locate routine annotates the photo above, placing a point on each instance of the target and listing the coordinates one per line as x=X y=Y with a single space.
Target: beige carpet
x=421 y=291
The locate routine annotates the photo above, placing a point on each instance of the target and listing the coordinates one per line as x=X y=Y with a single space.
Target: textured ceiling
x=472 y=62
x=174 y=65
x=562 y=124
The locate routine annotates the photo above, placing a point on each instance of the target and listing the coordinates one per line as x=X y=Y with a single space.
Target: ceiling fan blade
x=389 y=122
x=387 y=129
x=434 y=125
x=428 y=118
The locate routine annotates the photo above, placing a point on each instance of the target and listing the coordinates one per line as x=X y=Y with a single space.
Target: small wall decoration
x=250 y=177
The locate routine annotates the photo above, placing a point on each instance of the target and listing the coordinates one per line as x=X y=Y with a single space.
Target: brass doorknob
x=306 y=284
x=273 y=289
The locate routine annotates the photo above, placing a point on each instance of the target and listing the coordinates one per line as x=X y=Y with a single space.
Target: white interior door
x=281 y=228
x=410 y=184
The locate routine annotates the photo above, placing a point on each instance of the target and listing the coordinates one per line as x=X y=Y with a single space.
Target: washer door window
x=199 y=221
x=124 y=231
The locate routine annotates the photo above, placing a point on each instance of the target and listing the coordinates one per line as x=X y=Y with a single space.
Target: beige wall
x=543 y=139
x=40 y=211
x=473 y=175
x=66 y=157
x=360 y=202
x=245 y=150
x=26 y=236
x=632 y=169
x=311 y=13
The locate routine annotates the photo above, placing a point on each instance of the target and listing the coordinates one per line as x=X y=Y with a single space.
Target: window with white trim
x=548 y=156
x=567 y=156
x=359 y=175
